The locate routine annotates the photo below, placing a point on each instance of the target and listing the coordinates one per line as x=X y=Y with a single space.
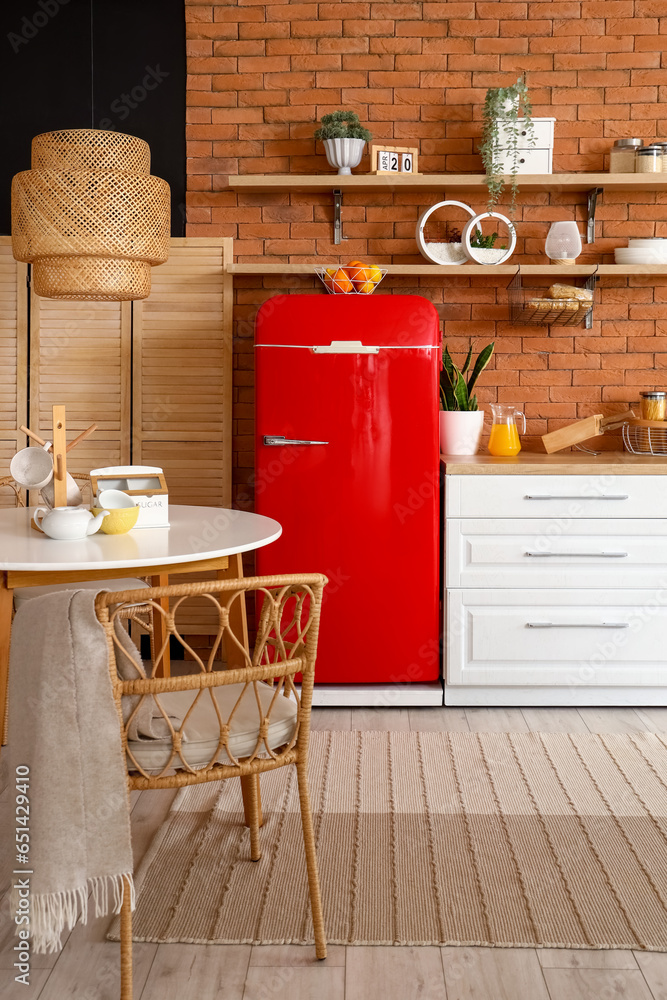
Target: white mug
x=32 y=468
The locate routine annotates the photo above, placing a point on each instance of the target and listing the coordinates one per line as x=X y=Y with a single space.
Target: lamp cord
x=92 y=77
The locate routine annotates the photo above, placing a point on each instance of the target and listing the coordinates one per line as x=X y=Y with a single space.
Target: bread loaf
x=570 y=292
x=553 y=305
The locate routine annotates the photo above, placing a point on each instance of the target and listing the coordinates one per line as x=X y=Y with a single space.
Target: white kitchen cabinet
x=555 y=589
x=556 y=496
x=513 y=552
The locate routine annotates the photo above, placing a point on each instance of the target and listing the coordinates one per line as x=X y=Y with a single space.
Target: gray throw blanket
x=64 y=728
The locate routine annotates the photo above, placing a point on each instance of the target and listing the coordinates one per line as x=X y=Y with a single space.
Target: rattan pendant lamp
x=89 y=216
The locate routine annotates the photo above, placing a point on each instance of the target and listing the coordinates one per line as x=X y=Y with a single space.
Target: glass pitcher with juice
x=504 y=438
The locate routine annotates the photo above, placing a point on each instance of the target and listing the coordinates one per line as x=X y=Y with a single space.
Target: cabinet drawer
x=508 y=552
x=558 y=498
x=550 y=637
x=542 y=134
x=529 y=161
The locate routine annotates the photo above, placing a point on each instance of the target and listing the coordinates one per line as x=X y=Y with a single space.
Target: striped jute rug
x=428 y=838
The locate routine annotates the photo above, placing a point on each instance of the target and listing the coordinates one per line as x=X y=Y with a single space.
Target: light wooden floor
x=87 y=968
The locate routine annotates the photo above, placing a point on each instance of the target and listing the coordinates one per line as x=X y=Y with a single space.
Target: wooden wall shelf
x=461 y=270
x=436 y=182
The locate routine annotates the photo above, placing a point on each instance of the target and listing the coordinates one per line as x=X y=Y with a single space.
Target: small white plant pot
x=461 y=431
x=344 y=153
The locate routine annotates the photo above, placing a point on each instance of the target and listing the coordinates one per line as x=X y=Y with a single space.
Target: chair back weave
x=285 y=645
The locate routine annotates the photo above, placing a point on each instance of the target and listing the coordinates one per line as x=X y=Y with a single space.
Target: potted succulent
x=461 y=420
x=507 y=117
x=344 y=138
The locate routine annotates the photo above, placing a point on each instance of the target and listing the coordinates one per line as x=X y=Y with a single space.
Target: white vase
x=460 y=431
x=344 y=153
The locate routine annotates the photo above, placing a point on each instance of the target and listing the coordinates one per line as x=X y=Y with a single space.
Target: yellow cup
x=117 y=521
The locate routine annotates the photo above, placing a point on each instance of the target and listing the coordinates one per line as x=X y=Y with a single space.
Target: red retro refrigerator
x=347 y=461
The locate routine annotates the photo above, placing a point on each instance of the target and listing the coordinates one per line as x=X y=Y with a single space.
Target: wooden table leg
x=163 y=667
x=6 y=604
x=238 y=619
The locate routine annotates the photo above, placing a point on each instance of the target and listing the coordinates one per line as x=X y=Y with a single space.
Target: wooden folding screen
x=182 y=348
x=155 y=375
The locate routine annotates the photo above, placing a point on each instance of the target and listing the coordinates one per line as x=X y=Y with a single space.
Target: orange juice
x=504 y=439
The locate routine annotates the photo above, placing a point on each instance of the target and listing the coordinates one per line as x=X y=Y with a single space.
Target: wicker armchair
x=233 y=723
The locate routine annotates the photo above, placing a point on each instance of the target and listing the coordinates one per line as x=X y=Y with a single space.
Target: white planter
x=344 y=153
x=492 y=255
x=460 y=431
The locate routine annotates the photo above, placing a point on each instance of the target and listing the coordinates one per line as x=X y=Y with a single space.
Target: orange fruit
x=340 y=282
x=358 y=273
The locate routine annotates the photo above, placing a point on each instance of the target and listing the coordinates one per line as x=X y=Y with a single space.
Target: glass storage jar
x=649 y=160
x=663 y=147
x=653 y=405
x=622 y=156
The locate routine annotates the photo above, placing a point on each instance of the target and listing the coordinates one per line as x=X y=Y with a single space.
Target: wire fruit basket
x=351 y=280
x=645 y=437
x=530 y=307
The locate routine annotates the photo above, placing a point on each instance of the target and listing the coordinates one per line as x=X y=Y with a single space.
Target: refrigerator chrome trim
x=317 y=349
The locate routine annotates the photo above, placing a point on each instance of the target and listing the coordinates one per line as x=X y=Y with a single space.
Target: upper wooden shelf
x=429 y=182
x=460 y=270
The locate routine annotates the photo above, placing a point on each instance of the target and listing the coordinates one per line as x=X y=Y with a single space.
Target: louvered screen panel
x=183 y=381
x=81 y=357
x=13 y=359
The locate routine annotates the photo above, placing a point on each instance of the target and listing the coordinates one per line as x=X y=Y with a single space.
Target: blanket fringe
x=52 y=913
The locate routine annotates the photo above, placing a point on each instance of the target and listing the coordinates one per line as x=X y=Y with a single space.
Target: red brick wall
x=262 y=74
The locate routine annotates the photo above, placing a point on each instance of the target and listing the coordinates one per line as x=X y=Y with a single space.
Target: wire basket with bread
x=565 y=305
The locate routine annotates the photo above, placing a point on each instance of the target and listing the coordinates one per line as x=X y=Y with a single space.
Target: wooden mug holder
x=59 y=450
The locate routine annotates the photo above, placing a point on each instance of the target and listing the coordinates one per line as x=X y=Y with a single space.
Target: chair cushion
x=23 y=594
x=202 y=730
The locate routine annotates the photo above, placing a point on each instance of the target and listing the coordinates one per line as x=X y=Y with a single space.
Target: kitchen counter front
x=571 y=463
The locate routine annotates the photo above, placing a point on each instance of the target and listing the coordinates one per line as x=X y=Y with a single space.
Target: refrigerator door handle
x=274 y=440
x=345 y=347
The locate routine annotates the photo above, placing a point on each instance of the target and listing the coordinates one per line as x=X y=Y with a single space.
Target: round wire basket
x=646 y=437
x=356 y=280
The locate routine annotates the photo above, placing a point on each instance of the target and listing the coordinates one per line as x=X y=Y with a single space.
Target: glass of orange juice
x=504 y=438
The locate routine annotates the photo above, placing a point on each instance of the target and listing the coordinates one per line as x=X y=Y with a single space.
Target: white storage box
x=144 y=483
x=534 y=158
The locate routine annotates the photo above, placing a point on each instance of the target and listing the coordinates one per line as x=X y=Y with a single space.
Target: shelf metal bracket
x=590 y=283
x=338 y=204
x=592 y=204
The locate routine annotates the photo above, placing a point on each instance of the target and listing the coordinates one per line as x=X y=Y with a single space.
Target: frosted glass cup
x=563 y=244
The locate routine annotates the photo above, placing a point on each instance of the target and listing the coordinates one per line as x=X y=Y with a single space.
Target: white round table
x=198 y=539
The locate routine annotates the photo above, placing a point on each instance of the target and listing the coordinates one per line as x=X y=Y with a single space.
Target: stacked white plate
x=643 y=251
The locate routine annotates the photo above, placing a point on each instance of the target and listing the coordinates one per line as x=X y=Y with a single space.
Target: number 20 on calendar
x=393 y=160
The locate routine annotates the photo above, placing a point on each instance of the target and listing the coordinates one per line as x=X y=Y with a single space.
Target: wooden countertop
x=609 y=463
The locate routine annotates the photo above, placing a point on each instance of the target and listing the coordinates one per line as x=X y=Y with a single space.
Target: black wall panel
x=110 y=64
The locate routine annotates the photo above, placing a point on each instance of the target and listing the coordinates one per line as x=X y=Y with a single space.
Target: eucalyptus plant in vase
x=461 y=420
x=507 y=127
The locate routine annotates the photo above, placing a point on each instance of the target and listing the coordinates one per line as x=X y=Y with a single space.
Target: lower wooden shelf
x=462 y=270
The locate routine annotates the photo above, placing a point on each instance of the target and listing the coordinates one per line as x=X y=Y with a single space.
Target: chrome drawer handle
x=272 y=441
x=591 y=555
x=549 y=496
x=577 y=624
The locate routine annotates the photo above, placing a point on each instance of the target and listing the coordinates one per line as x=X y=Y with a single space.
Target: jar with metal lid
x=649 y=160
x=663 y=147
x=622 y=156
x=653 y=405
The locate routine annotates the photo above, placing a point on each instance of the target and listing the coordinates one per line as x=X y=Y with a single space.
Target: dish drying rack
x=645 y=437
x=525 y=309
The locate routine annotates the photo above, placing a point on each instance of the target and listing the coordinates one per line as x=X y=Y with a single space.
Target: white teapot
x=68 y=523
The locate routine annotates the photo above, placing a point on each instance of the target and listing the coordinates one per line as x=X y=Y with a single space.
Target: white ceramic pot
x=68 y=523
x=344 y=153
x=460 y=431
